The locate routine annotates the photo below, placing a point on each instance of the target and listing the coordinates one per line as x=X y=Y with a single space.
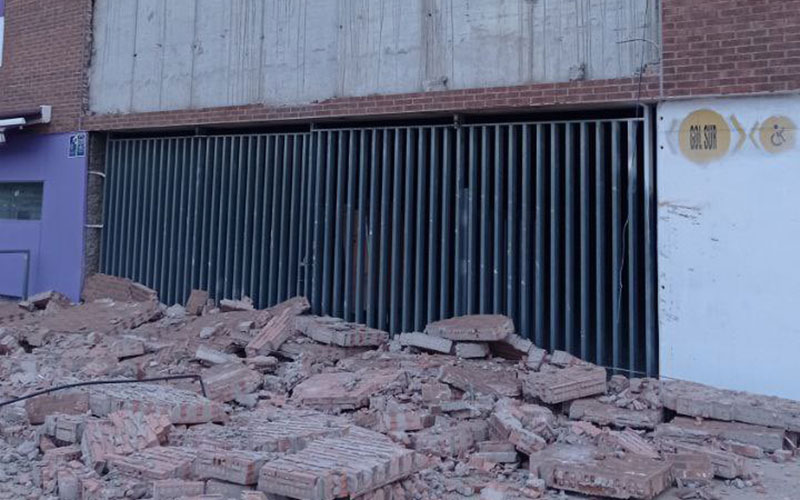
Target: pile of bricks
x=309 y=407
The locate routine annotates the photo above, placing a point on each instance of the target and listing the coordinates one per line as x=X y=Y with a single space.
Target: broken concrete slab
x=262 y=435
x=225 y=382
x=473 y=328
x=101 y=316
x=426 y=342
x=536 y=358
x=691 y=466
x=103 y=286
x=70 y=402
x=582 y=470
x=163 y=462
x=525 y=426
x=127 y=347
x=391 y=421
x=698 y=400
x=172 y=489
x=699 y=431
x=182 y=407
x=346 y=390
x=233 y=466
x=727 y=465
x=197 y=302
x=65 y=428
x=335 y=331
x=472 y=350
x=279 y=328
x=122 y=433
x=450 y=440
x=214 y=357
x=475 y=379
x=334 y=468
x=513 y=347
x=592 y=410
x=231 y=305
x=629 y=442
x=497 y=452
x=566 y=384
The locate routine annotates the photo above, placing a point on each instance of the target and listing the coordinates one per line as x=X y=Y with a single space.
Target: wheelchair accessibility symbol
x=778 y=134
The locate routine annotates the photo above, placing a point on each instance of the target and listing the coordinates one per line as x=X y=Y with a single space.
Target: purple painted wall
x=55 y=241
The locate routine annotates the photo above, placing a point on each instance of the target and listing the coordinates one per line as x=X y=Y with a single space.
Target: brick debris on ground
x=317 y=408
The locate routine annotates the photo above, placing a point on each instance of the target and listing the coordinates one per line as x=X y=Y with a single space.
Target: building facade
x=572 y=164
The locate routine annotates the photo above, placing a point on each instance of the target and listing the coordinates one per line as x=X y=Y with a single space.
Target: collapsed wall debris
x=309 y=407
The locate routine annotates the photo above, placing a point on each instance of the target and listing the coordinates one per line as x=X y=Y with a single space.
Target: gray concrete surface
x=152 y=55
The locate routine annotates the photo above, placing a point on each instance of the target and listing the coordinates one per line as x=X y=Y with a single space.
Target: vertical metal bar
x=208 y=172
x=340 y=245
x=184 y=222
x=396 y=238
x=266 y=228
x=193 y=247
x=420 y=291
x=499 y=183
x=133 y=208
x=311 y=214
x=362 y=227
x=460 y=305
x=120 y=169
x=127 y=208
x=585 y=255
x=230 y=225
x=238 y=234
x=304 y=209
x=146 y=254
x=484 y=283
x=449 y=212
x=434 y=229
x=556 y=271
x=650 y=273
x=473 y=228
x=406 y=311
x=249 y=230
x=383 y=274
x=530 y=283
x=511 y=227
x=254 y=158
x=540 y=260
x=217 y=235
x=633 y=247
x=285 y=212
x=110 y=166
x=275 y=218
x=570 y=274
x=243 y=211
x=140 y=237
x=352 y=168
x=330 y=193
x=213 y=218
x=601 y=239
x=374 y=232
x=295 y=217
x=175 y=196
x=616 y=246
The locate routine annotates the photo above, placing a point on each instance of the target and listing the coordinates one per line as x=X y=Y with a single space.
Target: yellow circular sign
x=705 y=136
x=778 y=134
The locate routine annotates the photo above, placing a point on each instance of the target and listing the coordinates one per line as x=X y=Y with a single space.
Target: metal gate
x=551 y=223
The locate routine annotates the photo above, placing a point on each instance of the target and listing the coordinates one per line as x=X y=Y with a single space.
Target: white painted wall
x=153 y=55
x=729 y=252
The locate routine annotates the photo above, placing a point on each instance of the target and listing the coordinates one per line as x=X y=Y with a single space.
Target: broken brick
x=278 y=328
x=566 y=384
x=599 y=413
x=335 y=331
x=699 y=431
x=474 y=379
x=68 y=403
x=156 y=463
x=172 y=489
x=344 y=390
x=471 y=350
x=225 y=382
x=182 y=407
x=196 y=302
x=234 y=466
x=473 y=328
x=426 y=342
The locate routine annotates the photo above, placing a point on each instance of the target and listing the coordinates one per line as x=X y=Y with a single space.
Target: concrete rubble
x=307 y=407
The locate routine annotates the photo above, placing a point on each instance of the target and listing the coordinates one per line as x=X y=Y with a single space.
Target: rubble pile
x=297 y=406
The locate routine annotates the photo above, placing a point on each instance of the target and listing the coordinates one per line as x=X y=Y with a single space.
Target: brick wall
x=723 y=47
x=46 y=47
